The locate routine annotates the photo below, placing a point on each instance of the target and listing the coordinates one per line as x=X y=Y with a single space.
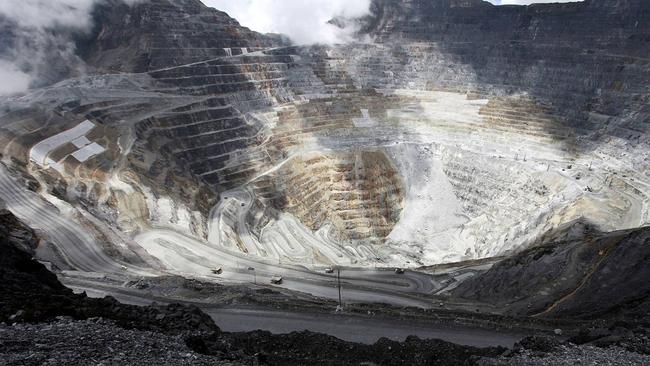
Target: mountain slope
x=463 y=131
x=600 y=276
x=163 y=33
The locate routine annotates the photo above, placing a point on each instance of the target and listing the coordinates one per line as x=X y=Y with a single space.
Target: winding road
x=189 y=257
x=349 y=327
x=75 y=244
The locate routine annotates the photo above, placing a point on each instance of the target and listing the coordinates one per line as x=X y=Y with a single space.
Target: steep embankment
x=600 y=276
x=159 y=334
x=178 y=335
x=31 y=293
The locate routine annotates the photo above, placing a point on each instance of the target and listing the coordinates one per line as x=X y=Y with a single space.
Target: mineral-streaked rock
x=449 y=137
x=601 y=276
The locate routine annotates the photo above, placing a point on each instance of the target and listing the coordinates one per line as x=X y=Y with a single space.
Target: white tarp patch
x=81 y=142
x=40 y=151
x=88 y=151
x=77 y=136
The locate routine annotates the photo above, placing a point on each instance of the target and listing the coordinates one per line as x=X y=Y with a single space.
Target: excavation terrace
x=450 y=131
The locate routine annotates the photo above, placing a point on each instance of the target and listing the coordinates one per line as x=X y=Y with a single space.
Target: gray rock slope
x=599 y=276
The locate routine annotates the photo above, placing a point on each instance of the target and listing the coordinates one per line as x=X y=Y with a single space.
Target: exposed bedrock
x=456 y=130
x=602 y=275
x=359 y=192
x=31 y=293
x=162 y=33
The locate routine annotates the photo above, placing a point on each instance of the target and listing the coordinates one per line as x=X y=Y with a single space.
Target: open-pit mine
x=449 y=131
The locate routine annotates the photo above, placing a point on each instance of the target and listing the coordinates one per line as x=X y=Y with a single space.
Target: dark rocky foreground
x=93 y=342
x=44 y=323
x=99 y=341
x=51 y=325
x=197 y=66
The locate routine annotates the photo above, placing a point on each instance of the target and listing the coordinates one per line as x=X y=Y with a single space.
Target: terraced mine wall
x=567 y=54
x=451 y=130
x=163 y=33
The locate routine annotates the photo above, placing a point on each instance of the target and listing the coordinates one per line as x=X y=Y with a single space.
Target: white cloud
x=304 y=21
x=48 y=13
x=13 y=80
x=35 y=55
x=33 y=51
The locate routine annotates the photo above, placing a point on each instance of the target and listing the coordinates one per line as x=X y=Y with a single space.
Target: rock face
x=359 y=193
x=585 y=57
x=461 y=130
x=18 y=271
x=163 y=33
x=31 y=293
x=51 y=324
x=600 y=276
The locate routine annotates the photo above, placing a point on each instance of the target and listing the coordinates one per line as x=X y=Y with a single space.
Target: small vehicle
x=329 y=270
x=276 y=280
x=217 y=271
x=399 y=271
